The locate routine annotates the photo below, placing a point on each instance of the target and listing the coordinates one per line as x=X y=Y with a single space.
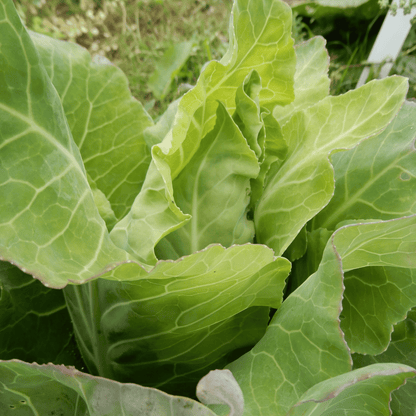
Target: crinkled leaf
x=170 y=326
x=34 y=321
x=304 y=183
x=256 y=29
x=220 y=386
x=247 y=112
x=274 y=150
x=220 y=171
x=106 y=122
x=377 y=179
x=260 y=129
x=54 y=389
x=358 y=393
x=402 y=348
x=49 y=224
x=311 y=78
x=153 y=216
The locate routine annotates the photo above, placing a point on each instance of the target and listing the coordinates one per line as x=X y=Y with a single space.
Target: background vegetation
x=140 y=35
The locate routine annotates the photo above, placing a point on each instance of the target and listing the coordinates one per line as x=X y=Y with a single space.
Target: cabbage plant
x=254 y=248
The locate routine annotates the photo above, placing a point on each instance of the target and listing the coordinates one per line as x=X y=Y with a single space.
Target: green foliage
x=402 y=348
x=350 y=33
x=134 y=35
x=169 y=67
x=164 y=246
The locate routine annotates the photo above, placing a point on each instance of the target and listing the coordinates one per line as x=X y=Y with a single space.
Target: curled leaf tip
x=220 y=387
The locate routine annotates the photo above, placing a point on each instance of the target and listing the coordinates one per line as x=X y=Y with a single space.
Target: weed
x=134 y=34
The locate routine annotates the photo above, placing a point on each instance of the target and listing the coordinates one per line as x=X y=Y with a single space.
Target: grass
x=350 y=49
x=134 y=34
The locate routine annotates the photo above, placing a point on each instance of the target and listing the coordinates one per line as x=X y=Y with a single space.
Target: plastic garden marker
x=389 y=42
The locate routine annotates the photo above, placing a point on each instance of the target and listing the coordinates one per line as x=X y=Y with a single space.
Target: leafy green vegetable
x=167 y=327
x=164 y=249
x=304 y=344
x=311 y=78
x=365 y=391
x=43 y=176
x=195 y=117
x=109 y=136
x=220 y=170
x=385 y=162
x=30 y=317
x=299 y=187
x=51 y=389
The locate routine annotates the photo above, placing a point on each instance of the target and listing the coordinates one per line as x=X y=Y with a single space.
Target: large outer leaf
x=34 y=321
x=377 y=179
x=32 y=389
x=260 y=39
x=304 y=344
x=299 y=188
x=358 y=393
x=174 y=324
x=214 y=188
x=402 y=348
x=311 y=78
x=106 y=122
x=49 y=224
